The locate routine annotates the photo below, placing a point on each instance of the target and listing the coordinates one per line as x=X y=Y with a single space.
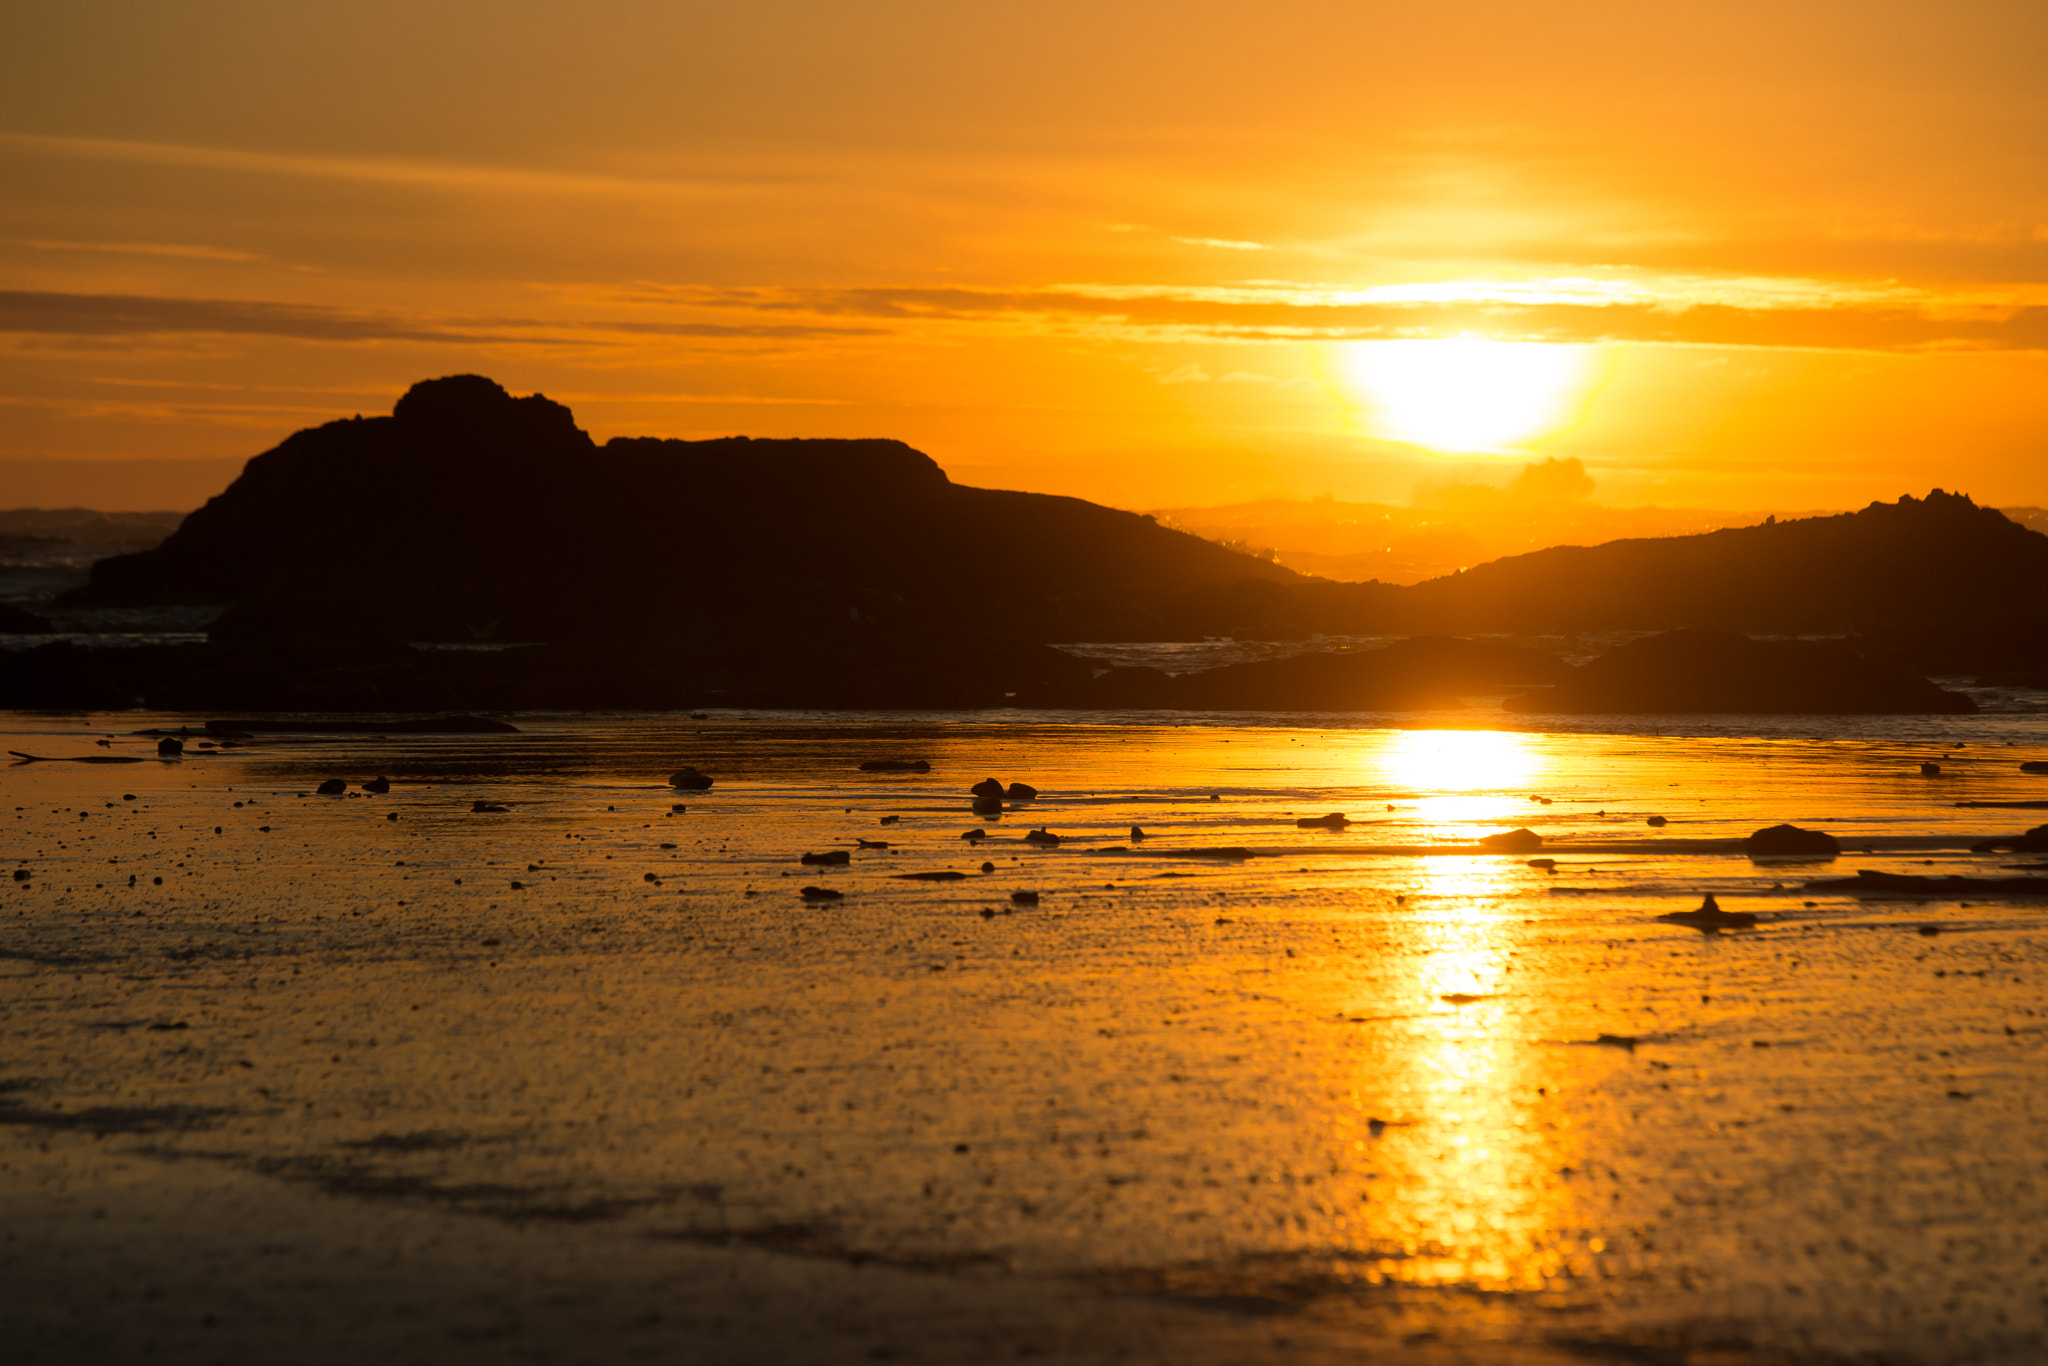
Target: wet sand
x=1345 y=1098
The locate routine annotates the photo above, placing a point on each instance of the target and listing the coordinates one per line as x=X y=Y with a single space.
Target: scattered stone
x=1711 y=919
x=1930 y=770
x=689 y=779
x=518 y=886
x=988 y=867
x=488 y=808
x=988 y=787
x=871 y=844
x=937 y=875
x=896 y=766
x=1021 y=792
x=1044 y=837
x=1930 y=930
x=21 y=875
x=1336 y=820
x=1136 y=834
x=1789 y=841
x=2036 y=766
x=1514 y=841
x=678 y=809
x=2033 y=842
x=1658 y=821
x=1623 y=1041
x=820 y=894
x=170 y=747
x=977 y=834
x=333 y=787
x=890 y=820
x=1024 y=898
x=1548 y=865
x=830 y=858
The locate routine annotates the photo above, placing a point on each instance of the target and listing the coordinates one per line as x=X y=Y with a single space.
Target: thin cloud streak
x=394 y=170
x=1880 y=324
x=131 y=315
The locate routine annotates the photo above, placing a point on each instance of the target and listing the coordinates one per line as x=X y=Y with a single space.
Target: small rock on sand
x=1710 y=918
x=1790 y=840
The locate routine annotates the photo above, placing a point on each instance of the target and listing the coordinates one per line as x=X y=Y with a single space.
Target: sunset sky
x=1148 y=253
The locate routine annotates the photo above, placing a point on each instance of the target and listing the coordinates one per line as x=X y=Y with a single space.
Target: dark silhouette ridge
x=1717 y=671
x=469 y=514
x=1916 y=560
x=1410 y=675
x=853 y=573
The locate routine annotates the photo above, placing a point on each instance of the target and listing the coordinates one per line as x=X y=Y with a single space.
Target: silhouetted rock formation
x=21 y=622
x=671 y=574
x=1717 y=671
x=1789 y=841
x=1409 y=675
x=1917 y=560
x=469 y=514
x=1709 y=918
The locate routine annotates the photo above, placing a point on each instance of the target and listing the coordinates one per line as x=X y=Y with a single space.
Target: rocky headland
x=476 y=550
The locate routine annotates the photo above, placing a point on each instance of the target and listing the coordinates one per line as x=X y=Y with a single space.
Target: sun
x=1467 y=395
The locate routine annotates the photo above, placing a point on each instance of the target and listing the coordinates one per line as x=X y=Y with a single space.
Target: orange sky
x=1098 y=248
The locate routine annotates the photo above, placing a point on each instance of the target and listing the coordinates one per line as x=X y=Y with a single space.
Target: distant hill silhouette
x=469 y=514
x=1919 y=559
x=656 y=573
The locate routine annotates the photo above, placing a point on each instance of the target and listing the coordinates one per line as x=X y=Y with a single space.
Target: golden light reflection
x=1465 y=783
x=1477 y=1199
x=1468 y=395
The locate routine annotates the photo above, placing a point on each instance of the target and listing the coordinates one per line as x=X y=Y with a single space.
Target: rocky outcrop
x=1718 y=671
x=1410 y=675
x=469 y=514
x=17 y=621
x=1789 y=841
x=1938 y=559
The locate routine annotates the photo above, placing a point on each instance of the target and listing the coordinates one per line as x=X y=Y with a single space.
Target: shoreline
x=592 y=1059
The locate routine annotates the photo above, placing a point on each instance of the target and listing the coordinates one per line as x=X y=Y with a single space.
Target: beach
x=589 y=1077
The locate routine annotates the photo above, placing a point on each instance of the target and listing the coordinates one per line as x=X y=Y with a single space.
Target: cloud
x=1222 y=244
x=178 y=250
x=136 y=315
x=1784 y=314
x=435 y=174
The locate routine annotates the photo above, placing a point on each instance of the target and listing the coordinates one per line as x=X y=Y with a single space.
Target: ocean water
x=1370 y=1076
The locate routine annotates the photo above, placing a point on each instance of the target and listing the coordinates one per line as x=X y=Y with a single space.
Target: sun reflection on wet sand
x=1358 y=1069
x=1477 y=1203
x=1466 y=783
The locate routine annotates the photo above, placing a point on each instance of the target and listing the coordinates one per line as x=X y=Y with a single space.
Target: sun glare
x=1468 y=395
